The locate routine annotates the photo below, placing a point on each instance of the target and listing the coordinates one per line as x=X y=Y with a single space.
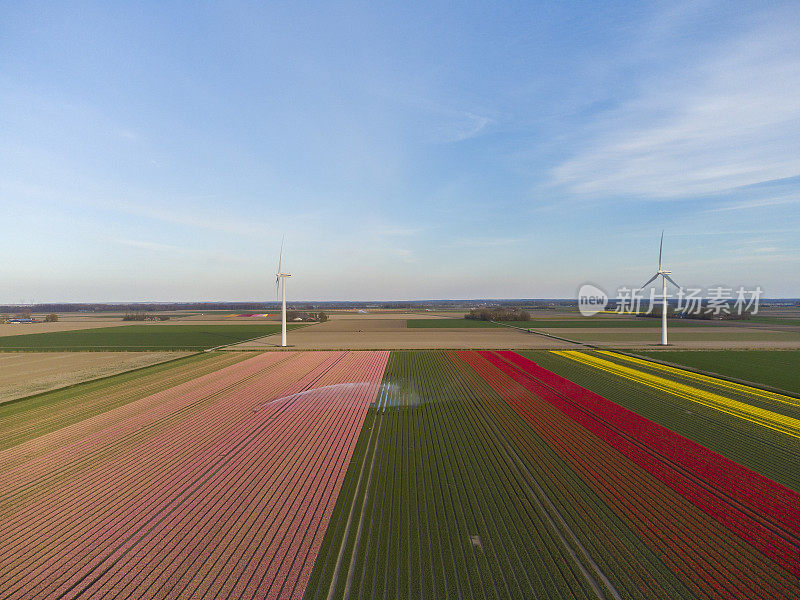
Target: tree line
x=498 y=314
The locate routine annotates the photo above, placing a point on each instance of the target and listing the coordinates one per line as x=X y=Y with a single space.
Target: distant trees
x=51 y=318
x=498 y=314
x=142 y=316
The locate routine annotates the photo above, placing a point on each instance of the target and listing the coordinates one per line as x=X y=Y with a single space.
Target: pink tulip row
x=36 y=422
x=128 y=480
x=216 y=490
x=18 y=471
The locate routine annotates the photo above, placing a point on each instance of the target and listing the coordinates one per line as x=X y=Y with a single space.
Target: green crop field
x=776 y=368
x=446 y=323
x=141 y=337
x=451 y=494
x=765 y=451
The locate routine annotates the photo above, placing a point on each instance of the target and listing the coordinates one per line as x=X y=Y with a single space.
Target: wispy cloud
x=729 y=120
x=757 y=203
x=468 y=126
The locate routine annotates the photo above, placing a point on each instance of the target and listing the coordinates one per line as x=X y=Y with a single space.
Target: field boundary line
x=542 y=333
x=346 y=533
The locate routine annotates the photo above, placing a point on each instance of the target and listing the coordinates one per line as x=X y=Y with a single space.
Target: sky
x=158 y=151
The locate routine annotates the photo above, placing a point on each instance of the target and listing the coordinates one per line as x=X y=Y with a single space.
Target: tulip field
x=403 y=474
x=219 y=487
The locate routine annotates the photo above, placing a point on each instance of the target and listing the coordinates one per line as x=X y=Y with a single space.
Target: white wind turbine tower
x=665 y=276
x=280 y=279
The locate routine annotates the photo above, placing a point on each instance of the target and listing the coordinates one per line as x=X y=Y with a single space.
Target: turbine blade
x=668 y=278
x=648 y=281
x=660 y=247
x=280 y=256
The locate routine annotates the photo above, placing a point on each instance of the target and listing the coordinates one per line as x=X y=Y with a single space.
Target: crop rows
x=219 y=487
x=424 y=474
x=482 y=474
x=459 y=498
x=776 y=368
x=781 y=403
x=766 y=418
x=764 y=450
x=726 y=530
x=31 y=418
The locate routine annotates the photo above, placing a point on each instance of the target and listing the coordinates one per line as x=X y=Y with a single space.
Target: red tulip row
x=226 y=494
x=759 y=510
x=707 y=556
x=755 y=493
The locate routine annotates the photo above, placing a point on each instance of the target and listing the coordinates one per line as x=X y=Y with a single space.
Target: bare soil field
x=26 y=373
x=379 y=332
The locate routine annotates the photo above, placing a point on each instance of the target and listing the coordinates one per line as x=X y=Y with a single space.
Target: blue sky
x=158 y=151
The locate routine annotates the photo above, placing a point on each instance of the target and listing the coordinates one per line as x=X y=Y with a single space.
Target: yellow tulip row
x=705 y=379
x=754 y=414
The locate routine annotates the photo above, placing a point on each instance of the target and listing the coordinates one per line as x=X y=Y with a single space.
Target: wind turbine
x=280 y=279
x=665 y=276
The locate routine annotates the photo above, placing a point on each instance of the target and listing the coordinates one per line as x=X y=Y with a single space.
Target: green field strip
x=775 y=368
x=132 y=338
x=447 y=323
x=28 y=418
x=767 y=452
